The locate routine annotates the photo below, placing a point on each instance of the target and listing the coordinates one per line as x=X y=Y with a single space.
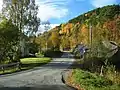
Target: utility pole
x=90 y=35
x=90 y=31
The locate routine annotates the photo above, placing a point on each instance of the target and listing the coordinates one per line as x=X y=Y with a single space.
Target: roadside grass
x=34 y=60
x=92 y=81
x=9 y=71
x=85 y=77
x=27 y=63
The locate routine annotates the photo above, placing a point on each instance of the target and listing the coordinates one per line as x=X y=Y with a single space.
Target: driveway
x=46 y=77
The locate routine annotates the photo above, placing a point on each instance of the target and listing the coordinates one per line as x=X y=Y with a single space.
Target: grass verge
x=27 y=63
x=84 y=80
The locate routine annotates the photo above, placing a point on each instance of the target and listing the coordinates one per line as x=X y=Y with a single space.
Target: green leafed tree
x=23 y=14
x=8 y=41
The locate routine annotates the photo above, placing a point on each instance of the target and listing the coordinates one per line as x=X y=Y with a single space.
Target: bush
x=111 y=73
x=91 y=81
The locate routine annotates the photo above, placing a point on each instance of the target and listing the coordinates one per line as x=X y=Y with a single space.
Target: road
x=46 y=77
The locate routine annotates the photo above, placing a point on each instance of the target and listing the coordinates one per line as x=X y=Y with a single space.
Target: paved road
x=47 y=77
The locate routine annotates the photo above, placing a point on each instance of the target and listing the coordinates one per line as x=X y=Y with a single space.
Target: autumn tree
x=55 y=40
x=40 y=41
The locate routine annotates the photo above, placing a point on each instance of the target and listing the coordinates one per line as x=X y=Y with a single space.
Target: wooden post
x=46 y=45
x=3 y=69
x=101 y=71
x=90 y=31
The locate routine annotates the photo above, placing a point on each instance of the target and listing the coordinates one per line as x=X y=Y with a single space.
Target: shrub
x=112 y=74
x=87 y=79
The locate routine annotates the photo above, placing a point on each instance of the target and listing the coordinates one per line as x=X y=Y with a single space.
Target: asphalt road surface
x=46 y=77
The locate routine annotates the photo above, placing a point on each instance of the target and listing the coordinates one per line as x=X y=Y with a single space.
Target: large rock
x=112 y=48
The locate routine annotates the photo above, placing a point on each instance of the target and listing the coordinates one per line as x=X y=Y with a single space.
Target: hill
x=93 y=26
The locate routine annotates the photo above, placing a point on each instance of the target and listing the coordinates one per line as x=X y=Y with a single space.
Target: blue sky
x=60 y=11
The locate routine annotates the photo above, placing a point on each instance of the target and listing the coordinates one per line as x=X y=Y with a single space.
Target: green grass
x=91 y=81
x=11 y=70
x=35 y=60
x=27 y=63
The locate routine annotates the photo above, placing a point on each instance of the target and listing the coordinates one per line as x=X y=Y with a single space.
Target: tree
x=46 y=28
x=23 y=14
x=65 y=42
x=8 y=40
x=40 y=41
x=55 y=40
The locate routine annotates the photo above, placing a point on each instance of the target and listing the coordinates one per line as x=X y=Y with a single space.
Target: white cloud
x=41 y=28
x=101 y=3
x=52 y=9
x=1 y=3
x=54 y=25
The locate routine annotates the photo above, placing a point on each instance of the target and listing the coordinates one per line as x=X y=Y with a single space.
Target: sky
x=60 y=11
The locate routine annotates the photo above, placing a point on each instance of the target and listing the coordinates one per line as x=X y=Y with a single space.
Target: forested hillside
x=96 y=25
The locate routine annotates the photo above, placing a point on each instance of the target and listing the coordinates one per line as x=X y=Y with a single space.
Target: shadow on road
x=61 y=65
x=41 y=87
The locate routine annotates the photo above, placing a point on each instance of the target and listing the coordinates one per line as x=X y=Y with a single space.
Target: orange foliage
x=112 y=26
x=66 y=29
x=84 y=33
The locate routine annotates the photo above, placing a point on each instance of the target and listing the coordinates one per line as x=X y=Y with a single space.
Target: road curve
x=46 y=77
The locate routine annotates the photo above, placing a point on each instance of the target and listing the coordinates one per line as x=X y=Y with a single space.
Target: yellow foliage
x=84 y=34
x=66 y=28
x=55 y=38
